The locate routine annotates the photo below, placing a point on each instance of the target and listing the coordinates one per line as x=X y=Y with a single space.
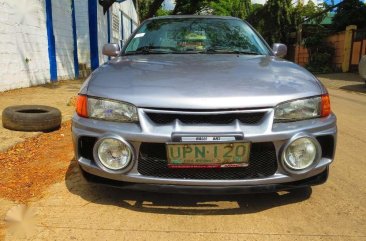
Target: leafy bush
x=320 y=53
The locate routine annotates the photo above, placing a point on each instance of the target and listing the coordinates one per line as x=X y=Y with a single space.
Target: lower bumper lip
x=207 y=190
x=278 y=178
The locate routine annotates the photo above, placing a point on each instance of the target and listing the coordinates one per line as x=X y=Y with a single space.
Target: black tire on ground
x=31 y=118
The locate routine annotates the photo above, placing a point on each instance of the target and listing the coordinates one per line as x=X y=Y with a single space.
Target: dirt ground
x=61 y=206
x=57 y=95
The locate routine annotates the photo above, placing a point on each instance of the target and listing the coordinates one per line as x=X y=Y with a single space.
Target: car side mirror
x=280 y=50
x=111 y=50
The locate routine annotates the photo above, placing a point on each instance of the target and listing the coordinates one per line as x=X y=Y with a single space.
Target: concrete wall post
x=347 y=47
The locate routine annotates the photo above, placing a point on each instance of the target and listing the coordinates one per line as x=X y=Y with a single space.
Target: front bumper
x=265 y=131
x=209 y=190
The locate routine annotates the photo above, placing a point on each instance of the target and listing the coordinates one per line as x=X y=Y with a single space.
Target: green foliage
x=163 y=12
x=320 y=52
x=257 y=16
x=305 y=14
x=235 y=8
x=277 y=21
x=351 y=12
x=144 y=8
x=191 y=6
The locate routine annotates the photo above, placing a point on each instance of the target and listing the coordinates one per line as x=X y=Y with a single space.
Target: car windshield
x=194 y=36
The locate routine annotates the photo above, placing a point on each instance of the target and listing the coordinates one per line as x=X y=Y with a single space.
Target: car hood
x=202 y=81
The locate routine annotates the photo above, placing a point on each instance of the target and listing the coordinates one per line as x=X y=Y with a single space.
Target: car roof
x=193 y=16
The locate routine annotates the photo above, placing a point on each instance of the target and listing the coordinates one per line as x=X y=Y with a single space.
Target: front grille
x=245 y=118
x=153 y=163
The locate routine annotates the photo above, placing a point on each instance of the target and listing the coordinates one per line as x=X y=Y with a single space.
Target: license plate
x=208 y=155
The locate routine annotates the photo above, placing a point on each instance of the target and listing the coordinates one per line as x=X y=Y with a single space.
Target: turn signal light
x=326 y=110
x=82 y=106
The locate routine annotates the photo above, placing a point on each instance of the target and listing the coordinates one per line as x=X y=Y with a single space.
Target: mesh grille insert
x=246 y=118
x=153 y=163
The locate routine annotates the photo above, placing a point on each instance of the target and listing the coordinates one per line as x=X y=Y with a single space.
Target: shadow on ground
x=354 y=77
x=361 y=88
x=178 y=204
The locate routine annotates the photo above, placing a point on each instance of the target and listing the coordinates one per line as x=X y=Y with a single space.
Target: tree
x=235 y=8
x=146 y=12
x=300 y=13
x=153 y=8
x=190 y=6
x=277 y=21
x=256 y=17
x=350 y=12
x=143 y=8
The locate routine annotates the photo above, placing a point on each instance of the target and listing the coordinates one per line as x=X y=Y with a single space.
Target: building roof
x=328 y=20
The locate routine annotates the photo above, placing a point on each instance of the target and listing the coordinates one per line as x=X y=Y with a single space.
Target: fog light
x=301 y=153
x=114 y=154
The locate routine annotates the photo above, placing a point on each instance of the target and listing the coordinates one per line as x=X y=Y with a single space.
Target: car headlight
x=108 y=110
x=303 y=109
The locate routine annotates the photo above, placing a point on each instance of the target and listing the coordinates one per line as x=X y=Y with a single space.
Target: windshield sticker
x=139 y=35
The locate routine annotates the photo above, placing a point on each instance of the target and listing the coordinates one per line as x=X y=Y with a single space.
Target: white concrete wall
x=129 y=8
x=24 y=59
x=82 y=27
x=102 y=34
x=23 y=44
x=126 y=27
x=129 y=12
x=62 y=28
x=82 y=30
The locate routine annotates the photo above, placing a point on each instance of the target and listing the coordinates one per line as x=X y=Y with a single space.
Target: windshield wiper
x=229 y=51
x=247 y=52
x=170 y=50
x=151 y=50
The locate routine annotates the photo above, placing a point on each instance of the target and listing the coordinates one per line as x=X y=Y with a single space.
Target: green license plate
x=208 y=155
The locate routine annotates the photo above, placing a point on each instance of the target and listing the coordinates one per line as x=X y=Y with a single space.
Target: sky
x=169 y=4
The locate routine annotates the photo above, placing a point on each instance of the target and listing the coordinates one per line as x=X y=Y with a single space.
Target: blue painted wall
x=75 y=37
x=51 y=41
x=93 y=31
x=109 y=26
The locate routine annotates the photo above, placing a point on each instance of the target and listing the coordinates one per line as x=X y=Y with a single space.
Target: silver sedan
x=198 y=104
